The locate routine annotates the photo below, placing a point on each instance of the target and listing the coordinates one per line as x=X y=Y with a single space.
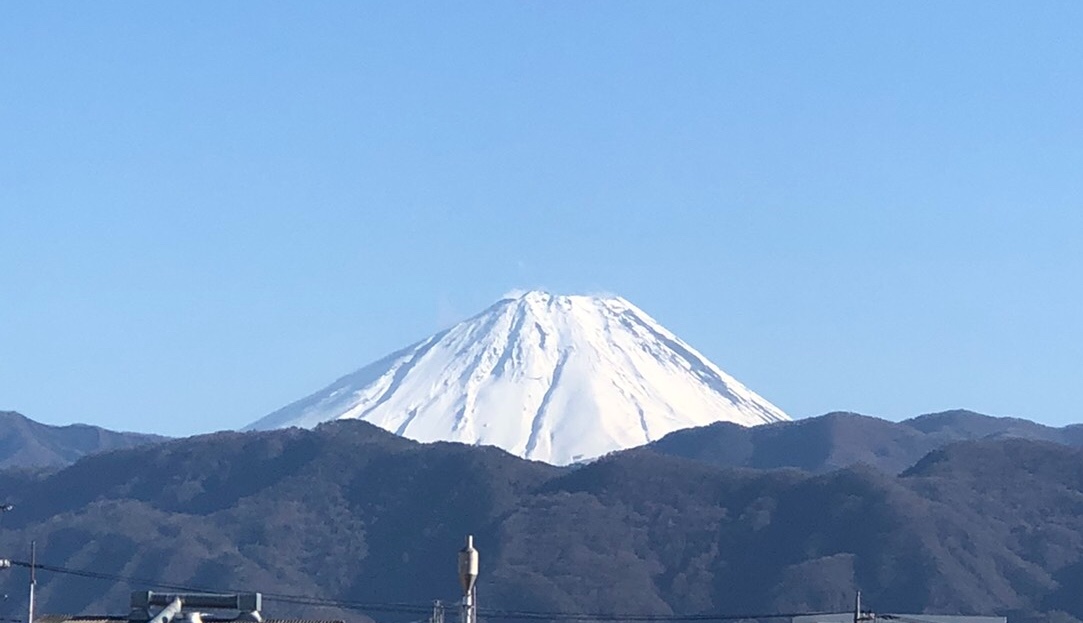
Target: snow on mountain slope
x=558 y=379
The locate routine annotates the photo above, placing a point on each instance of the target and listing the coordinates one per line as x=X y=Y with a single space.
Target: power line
x=277 y=597
x=408 y=608
x=95 y=575
x=600 y=616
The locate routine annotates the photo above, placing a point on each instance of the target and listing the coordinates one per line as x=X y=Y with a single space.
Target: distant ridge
x=552 y=378
x=26 y=443
x=837 y=440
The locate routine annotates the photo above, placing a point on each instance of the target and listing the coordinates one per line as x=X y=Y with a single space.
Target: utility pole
x=33 y=579
x=468 y=579
x=859 y=616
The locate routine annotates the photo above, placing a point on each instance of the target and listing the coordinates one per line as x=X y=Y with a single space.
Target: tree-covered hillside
x=351 y=512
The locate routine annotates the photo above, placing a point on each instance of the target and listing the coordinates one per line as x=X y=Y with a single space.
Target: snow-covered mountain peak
x=545 y=296
x=577 y=307
x=541 y=299
x=557 y=378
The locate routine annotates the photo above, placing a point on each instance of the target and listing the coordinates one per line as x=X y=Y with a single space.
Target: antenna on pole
x=468 y=579
x=33 y=579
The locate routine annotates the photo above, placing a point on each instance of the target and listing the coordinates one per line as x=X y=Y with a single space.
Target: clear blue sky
x=210 y=209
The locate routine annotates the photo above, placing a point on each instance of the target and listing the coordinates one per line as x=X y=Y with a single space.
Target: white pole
x=33 y=579
x=170 y=611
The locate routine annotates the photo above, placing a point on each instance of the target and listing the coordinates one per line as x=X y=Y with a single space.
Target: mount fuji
x=559 y=379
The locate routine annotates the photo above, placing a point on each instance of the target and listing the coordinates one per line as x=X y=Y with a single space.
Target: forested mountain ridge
x=834 y=440
x=29 y=444
x=352 y=512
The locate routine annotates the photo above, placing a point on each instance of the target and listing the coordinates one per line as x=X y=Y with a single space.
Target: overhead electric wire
x=97 y=575
x=269 y=596
x=605 y=616
x=409 y=608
